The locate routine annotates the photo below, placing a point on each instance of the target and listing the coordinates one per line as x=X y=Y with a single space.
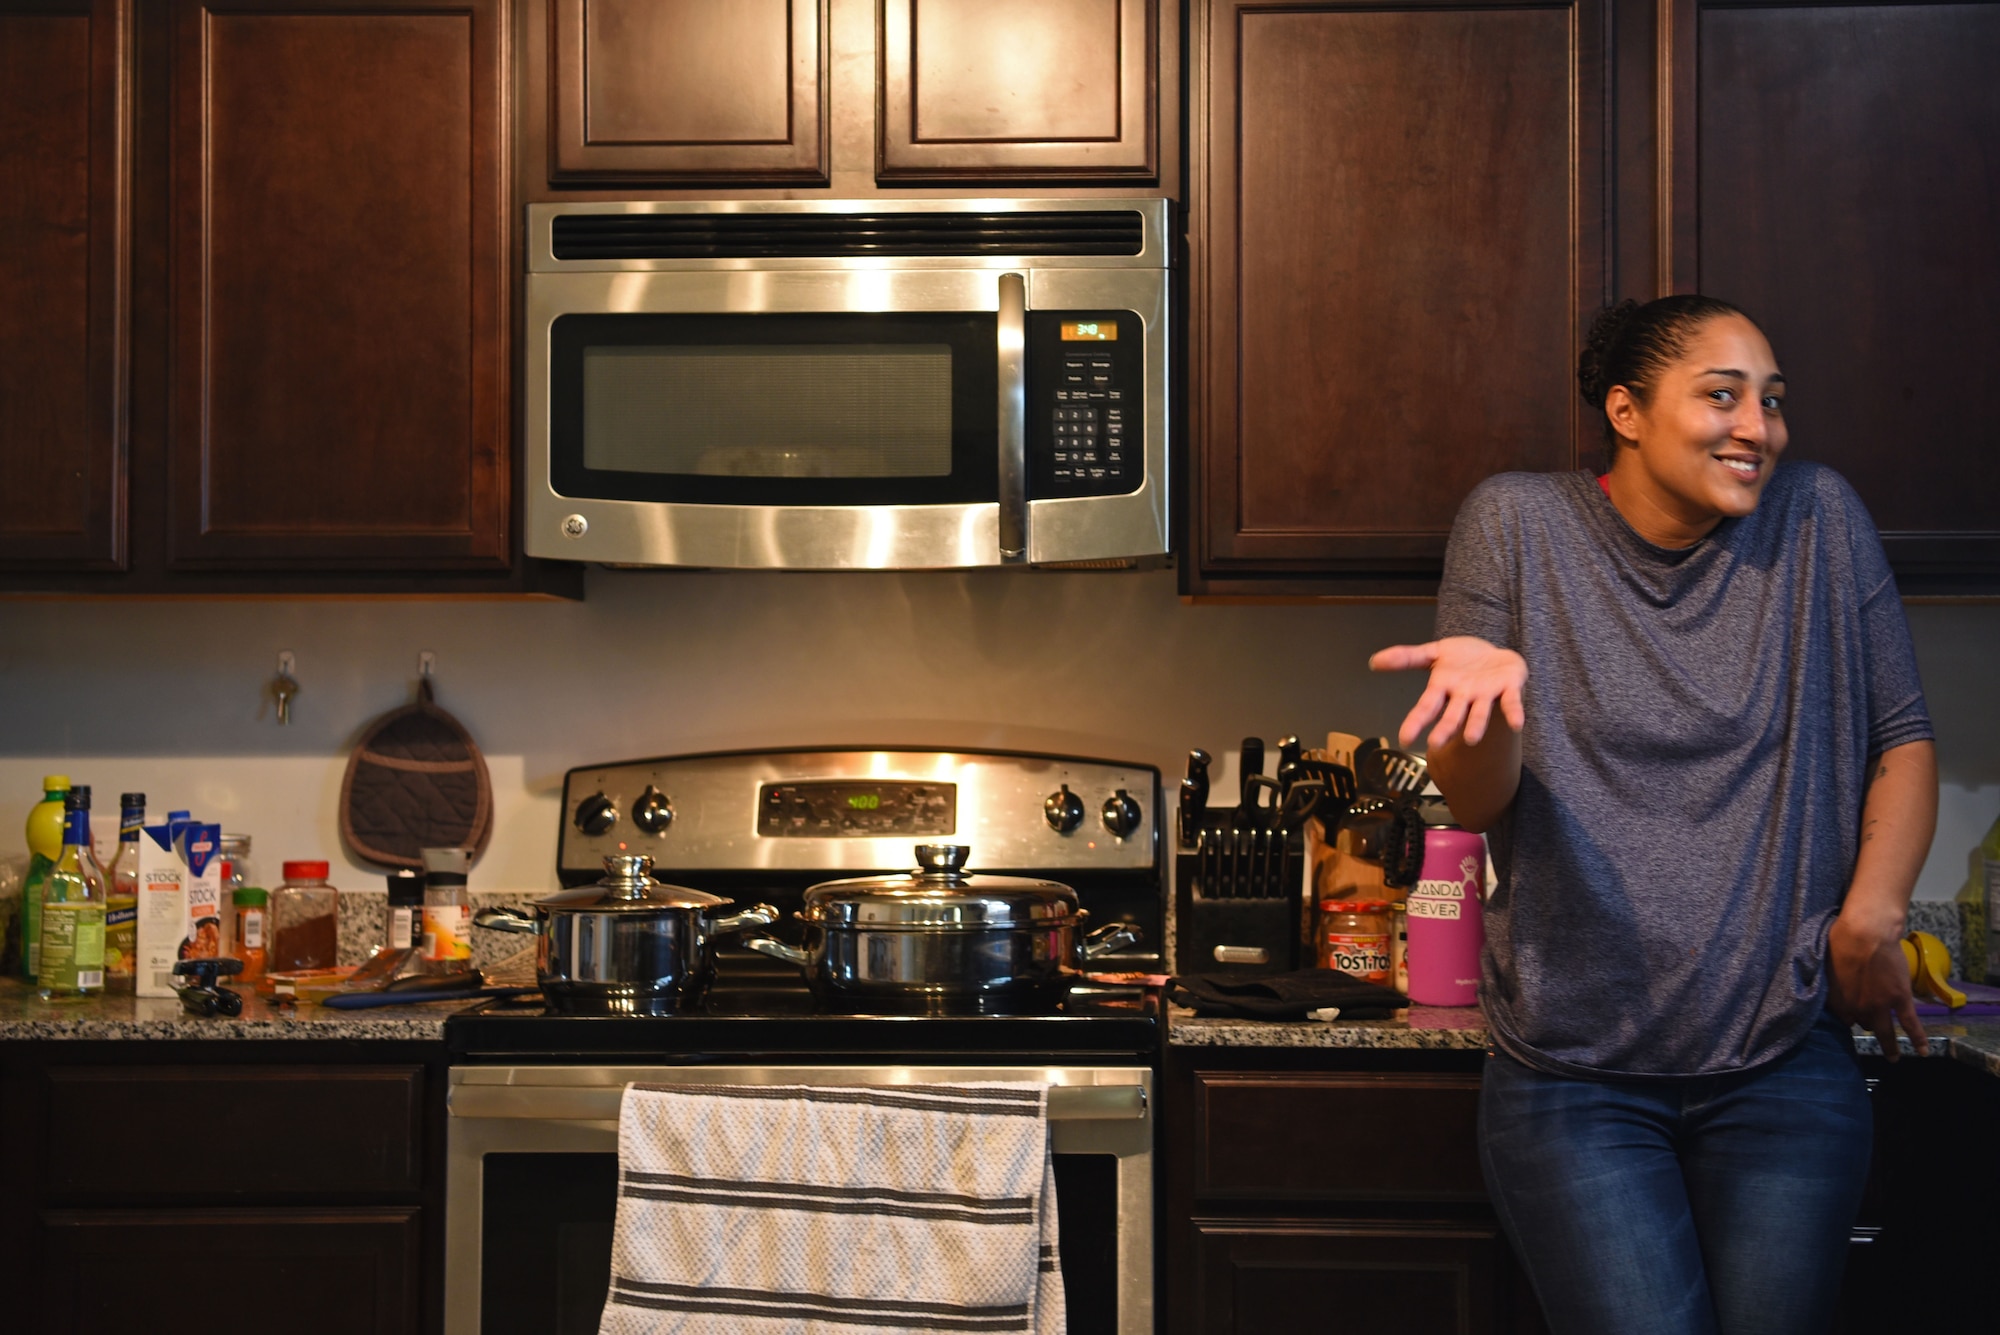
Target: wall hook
x=285 y=686
x=426 y=663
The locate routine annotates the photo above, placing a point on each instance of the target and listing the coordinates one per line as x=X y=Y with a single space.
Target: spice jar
x=304 y=920
x=1354 y=938
x=252 y=907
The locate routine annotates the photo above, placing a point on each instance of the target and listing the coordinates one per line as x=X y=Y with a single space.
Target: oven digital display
x=856 y=809
x=1089 y=331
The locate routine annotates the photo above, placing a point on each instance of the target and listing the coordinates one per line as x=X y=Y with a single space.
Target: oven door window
x=848 y=409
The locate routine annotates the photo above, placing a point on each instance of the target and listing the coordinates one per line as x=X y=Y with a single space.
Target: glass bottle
x=121 y=890
x=235 y=855
x=251 y=912
x=447 y=937
x=72 y=954
x=45 y=836
x=304 y=920
x=1989 y=860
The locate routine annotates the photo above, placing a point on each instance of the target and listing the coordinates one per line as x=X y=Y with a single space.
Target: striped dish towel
x=834 y=1209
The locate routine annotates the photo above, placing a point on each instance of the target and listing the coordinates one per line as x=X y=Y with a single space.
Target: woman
x=1682 y=702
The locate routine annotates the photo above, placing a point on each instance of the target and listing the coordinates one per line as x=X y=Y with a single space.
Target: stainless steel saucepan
x=942 y=941
x=627 y=945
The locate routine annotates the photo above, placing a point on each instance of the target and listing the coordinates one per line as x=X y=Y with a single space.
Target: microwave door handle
x=1013 y=349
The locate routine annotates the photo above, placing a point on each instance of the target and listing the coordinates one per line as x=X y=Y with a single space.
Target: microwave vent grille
x=697 y=236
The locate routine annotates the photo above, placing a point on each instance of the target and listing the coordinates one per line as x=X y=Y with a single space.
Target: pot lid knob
x=631 y=873
x=942 y=859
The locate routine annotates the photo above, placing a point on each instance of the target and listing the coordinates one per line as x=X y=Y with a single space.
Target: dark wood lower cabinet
x=1316 y=1190
x=305 y=1271
x=1311 y=1191
x=154 y=1185
x=1415 y=1278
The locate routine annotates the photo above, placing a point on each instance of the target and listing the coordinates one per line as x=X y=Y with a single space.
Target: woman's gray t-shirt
x=1699 y=726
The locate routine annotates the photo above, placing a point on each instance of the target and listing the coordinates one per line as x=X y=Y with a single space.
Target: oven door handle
x=599 y=1103
x=1013 y=347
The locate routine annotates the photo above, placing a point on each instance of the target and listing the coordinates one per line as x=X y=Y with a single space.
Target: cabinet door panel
x=308 y=1272
x=1263 y=1135
x=121 y=1133
x=1398 y=235
x=64 y=229
x=678 y=91
x=1054 y=89
x=339 y=306
x=1306 y=1278
x=1843 y=190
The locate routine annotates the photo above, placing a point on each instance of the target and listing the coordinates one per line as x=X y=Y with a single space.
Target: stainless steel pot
x=627 y=945
x=942 y=941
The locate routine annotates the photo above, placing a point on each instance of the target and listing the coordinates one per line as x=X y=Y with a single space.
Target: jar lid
x=250 y=897
x=406 y=888
x=306 y=871
x=1353 y=906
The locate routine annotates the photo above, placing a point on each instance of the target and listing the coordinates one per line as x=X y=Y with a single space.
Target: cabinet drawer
x=1303 y=1279
x=1337 y=1136
x=306 y=1271
x=230 y=1132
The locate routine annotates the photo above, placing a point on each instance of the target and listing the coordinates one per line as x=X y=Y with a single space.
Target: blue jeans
x=1715 y=1205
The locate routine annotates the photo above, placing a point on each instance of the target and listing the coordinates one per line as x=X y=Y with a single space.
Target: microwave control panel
x=1086 y=391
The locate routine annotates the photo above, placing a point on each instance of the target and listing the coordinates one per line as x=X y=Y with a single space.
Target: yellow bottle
x=45 y=836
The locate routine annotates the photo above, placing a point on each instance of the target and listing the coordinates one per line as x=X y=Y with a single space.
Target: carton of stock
x=180 y=899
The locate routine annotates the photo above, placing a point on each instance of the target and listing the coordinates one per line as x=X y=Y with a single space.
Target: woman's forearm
x=1868 y=980
x=1898 y=818
x=1479 y=782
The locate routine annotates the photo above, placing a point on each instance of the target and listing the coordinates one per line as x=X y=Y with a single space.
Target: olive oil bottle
x=72 y=955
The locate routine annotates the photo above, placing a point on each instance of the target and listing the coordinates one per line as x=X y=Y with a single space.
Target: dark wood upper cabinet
x=339 y=309
x=65 y=144
x=686 y=91
x=1030 y=89
x=1834 y=171
x=1398 y=231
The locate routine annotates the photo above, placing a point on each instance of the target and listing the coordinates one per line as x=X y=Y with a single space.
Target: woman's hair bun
x=1594 y=373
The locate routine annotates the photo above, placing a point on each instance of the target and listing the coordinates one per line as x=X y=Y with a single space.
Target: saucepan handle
x=777 y=950
x=505 y=919
x=1112 y=936
x=757 y=915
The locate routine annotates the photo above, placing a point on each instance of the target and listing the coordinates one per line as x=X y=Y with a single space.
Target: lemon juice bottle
x=45 y=836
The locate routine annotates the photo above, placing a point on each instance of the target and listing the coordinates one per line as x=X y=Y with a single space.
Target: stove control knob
x=596 y=814
x=1063 y=811
x=653 y=812
x=1121 y=814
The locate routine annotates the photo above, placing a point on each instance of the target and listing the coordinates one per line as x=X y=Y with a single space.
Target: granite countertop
x=23 y=1015
x=1975 y=1041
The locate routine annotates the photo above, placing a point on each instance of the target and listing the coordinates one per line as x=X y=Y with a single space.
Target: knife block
x=1241 y=891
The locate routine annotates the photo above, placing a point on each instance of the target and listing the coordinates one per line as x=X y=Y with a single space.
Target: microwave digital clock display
x=1089 y=331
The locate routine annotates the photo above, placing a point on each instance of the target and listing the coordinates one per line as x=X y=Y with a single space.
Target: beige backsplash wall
x=169 y=697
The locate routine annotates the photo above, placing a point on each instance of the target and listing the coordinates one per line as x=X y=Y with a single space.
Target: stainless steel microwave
x=833 y=385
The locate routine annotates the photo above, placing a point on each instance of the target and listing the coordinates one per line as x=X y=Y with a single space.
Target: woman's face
x=1705 y=441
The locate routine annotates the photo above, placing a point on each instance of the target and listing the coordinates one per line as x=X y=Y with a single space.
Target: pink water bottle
x=1445 y=928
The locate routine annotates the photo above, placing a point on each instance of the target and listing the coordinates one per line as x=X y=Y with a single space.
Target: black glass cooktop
x=1113 y=1024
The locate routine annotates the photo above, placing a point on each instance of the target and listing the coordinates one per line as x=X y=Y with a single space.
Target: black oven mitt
x=416 y=780
x=1285 y=996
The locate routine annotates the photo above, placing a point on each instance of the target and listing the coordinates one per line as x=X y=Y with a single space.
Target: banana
x=1929 y=964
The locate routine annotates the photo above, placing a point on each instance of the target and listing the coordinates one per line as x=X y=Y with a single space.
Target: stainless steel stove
x=534 y=1096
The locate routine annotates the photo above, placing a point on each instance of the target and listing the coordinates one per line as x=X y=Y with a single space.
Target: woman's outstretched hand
x=1468 y=678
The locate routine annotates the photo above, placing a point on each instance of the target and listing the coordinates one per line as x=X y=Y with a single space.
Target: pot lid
x=940 y=894
x=628 y=887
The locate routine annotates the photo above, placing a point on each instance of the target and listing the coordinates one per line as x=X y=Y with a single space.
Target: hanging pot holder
x=416 y=780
